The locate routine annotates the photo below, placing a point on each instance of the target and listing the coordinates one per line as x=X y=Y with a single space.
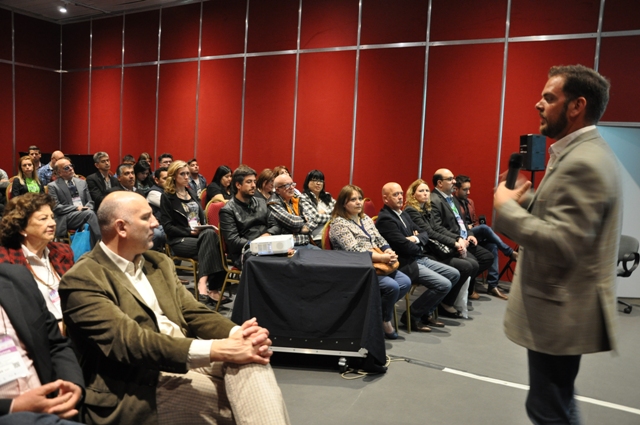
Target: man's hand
x=463 y=242
x=249 y=345
x=36 y=400
x=503 y=195
x=472 y=239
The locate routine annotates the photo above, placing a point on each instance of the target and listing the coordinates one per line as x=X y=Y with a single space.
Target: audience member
x=418 y=206
x=154 y=197
x=165 y=160
x=45 y=173
x=27 y=231
x=352 y=230
x=446 y=213
x=293 y=214
x=143 y=179
x=100 y=181
x=264 y=184
x=3 y=176
x=219 y=190
x=182 y=219
x=196 y=180
x=281 y=169
x=322 y=201
x=155 y=355
x=74 y=206
x=126 y=179
x=48 y=379
x=129 y=160
x=34 y=153
x=144 y=156
x=27 y=179
x=245 y=217
x=408 y=240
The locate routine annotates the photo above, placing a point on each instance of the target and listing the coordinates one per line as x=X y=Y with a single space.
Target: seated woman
x=27 y=230
x=418 y=206
x=322 y=201
x=27 y=179
x=144 y=181
x=181 y=217
x=352 y=230
x=219 y=190
x=264 y=184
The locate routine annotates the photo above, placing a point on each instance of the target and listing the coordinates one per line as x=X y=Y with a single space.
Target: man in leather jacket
x=245 y=217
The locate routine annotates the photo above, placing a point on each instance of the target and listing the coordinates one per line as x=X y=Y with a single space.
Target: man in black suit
x=53 y=383
x=100 y=181
x=446 y=212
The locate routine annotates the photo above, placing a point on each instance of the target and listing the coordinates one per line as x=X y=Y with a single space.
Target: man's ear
x=120 y=227
x=577 y=106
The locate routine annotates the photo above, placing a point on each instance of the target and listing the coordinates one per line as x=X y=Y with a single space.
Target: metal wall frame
x=427 y=44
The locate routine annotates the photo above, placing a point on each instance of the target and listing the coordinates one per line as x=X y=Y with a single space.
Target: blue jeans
x=438 y=278
x=392 y=288
x=488 y=239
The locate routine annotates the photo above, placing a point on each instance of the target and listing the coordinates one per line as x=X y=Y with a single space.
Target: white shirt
x=556 y=149
x=44 y=272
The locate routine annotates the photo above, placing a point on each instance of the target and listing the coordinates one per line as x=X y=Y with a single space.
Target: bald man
x=45 y=173
x=150 y=351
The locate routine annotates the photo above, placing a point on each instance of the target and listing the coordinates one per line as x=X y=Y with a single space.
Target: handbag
x=81 y=242
x=439 y=250
x=384 y=269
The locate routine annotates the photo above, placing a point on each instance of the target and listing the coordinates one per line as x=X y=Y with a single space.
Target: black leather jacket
x=241 y=223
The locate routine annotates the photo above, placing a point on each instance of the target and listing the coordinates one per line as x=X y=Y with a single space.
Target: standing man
x=197 y=182
x=562 y=302
x=34 y=153
x=45 y=173
x=101 y=181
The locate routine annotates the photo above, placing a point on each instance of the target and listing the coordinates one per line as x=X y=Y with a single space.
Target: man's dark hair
x=460 y=179
x=436 y=177
x=239 y=175
x=581 y=81
x=33 y=148
x=121 y=168
x=191 y=160
x=98 y=156
x=165 y=155
x=157 y=173
x=129 y=158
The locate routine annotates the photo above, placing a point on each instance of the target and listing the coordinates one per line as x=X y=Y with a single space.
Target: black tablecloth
x=322 y=298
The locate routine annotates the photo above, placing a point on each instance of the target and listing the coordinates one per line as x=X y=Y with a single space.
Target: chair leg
x=406 y=300
x=628 y=309
x=221 y=296
x=395 y=316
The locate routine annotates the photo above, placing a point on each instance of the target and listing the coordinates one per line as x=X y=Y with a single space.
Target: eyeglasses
x=286 y=186
x=68 y=167
x=448 y=179
x=317 y=181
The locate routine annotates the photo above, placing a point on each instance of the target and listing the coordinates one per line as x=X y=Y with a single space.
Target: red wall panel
x=37 y=102
x=329 y=23
x=5 y=34
x=177 y=109
x=6 y=119
x=105 y=111
x=37 y=42
x=223 y=24
x=138 y=112
x=75 y=116
x=616 y=63
x=273 y=25
x=106 y=42
x=141 y=37
x=463 y=112
x=268 y=125
x=538 y=17
x=76 y=45
x=465 y=20
x=219 y=115
x=393 y=22
x=621 y=15
x=528 y=68
x=388 y=119
x=180 y=32
x=325 y=117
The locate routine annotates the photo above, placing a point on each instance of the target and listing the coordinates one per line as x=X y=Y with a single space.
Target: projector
x=270 y=245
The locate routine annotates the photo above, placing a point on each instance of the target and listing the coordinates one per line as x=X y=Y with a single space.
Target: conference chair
x=368 y=207
x=213 y=212
x=326 y=241
x=627 y=253
x=232 y=273
x=203 y=200
x=192 y=266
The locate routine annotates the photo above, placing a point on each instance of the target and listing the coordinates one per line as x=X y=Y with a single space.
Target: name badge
x=193 y=222
x=54 y=296
x=12 y=366
x=77 y=201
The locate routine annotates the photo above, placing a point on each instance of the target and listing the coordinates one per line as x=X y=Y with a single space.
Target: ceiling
x=84 y=9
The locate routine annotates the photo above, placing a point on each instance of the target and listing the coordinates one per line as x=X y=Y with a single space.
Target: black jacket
x=173 y=219
x=98 y=188
x=395 y=232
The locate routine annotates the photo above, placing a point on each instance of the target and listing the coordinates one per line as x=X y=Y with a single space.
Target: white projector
x=269 y=245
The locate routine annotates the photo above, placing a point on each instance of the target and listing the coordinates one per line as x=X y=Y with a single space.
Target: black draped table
x=321 y=302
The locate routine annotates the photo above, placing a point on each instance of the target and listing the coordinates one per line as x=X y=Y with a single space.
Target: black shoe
x=416 y=325
x=444 y=313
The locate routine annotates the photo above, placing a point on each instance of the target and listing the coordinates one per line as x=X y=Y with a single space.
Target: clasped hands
x=36 y=400
x=249 y=344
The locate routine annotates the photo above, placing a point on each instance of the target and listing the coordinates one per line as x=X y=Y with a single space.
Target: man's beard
x=554 y=128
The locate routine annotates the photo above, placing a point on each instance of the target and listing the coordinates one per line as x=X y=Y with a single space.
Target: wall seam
x=596 y=59
x=195 y=136
x=244 y=79
x=124 y=23
x=13 y=93
x=90 y=78
x=424 y=89
x=355 y=95
x=155 y=132
x=295 y=92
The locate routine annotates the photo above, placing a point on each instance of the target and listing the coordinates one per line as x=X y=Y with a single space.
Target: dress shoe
x=435 y=323
x=445 y=313
x=416 y=325
x=497 y=293
x=474 y=296
x=391 y=335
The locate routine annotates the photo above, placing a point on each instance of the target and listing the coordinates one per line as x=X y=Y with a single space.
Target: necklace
x=51 y=272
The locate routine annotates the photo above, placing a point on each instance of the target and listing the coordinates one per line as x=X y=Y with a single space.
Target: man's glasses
x=448 y=179
x=68 y=167
x=287 y=186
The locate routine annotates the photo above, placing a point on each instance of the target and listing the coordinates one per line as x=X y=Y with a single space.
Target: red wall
x=200 y=111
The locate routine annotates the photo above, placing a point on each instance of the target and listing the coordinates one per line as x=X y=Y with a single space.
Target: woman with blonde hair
x=27 y=179
x=182 y=219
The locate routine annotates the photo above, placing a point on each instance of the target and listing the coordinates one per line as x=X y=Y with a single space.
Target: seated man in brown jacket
x=150 y=352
